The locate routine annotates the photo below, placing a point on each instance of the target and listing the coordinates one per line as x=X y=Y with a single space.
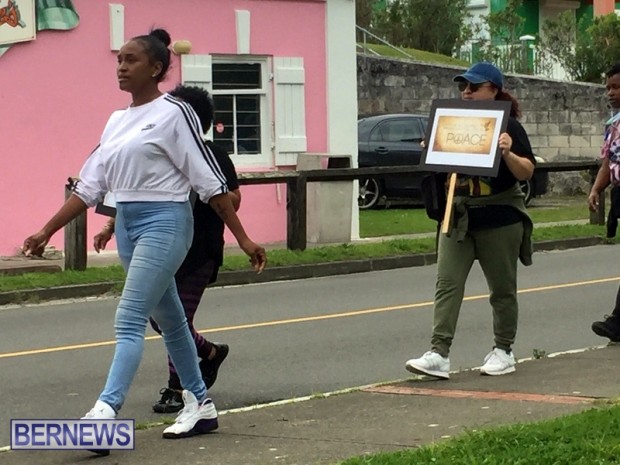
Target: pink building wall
x=57 y=92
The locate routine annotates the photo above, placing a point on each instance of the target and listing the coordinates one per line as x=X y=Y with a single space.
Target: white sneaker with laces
x=498 y=362
x=195 y=418
x=101 y=411
x=431 y=363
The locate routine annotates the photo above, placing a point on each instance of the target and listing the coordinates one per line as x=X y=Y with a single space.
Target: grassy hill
x=418 y=55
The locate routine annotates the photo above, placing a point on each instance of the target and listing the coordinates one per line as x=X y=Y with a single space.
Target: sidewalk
x=399 y=415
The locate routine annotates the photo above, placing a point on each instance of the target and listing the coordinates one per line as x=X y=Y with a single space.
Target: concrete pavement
x=397 y=415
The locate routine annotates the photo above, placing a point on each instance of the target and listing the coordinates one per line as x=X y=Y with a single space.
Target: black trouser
x=614 y=212
x=616 y=311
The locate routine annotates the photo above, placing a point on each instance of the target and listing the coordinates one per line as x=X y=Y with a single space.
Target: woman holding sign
x=491 y=225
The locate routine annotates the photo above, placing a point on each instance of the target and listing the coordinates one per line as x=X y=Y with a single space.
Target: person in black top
x=201 y=265
x=491 y=225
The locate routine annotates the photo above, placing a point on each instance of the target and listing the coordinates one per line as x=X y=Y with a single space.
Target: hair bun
x=162 y=35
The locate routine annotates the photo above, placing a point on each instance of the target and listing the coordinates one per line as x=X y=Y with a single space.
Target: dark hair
x=515 y=110
x=199 y=99
x=156 y=45
x=615 y=69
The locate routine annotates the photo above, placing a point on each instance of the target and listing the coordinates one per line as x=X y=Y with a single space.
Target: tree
x=557 y=41
x=434 y=26
x=584 y=51
x=498 y=39
x=364 y=13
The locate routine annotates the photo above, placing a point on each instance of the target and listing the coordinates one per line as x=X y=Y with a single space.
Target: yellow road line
x=306 y=319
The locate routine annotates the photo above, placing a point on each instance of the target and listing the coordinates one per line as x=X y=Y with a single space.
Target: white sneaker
x=431 y=363
x=101 y=411
x=195 y=418
x=498 y=362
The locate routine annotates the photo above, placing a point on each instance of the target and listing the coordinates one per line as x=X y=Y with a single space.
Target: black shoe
x=208 y=368
x=171 y=401
x=610 y=328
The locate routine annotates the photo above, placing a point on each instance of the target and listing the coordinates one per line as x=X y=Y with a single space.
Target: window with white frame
x=241 y=122
x=259 y=105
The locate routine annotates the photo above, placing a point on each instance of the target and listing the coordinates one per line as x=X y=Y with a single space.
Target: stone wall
x=564 y=120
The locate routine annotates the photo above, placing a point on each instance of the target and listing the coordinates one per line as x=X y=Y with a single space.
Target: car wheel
x=528 y=189
x=369 y=193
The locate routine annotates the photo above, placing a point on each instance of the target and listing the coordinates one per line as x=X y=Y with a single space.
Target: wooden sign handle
x=445 y=225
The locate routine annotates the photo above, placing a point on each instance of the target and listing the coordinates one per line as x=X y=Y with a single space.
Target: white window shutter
x=196 y=70
x=290 y=109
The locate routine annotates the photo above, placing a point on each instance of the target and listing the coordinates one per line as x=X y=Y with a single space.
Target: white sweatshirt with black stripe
x=151 y=153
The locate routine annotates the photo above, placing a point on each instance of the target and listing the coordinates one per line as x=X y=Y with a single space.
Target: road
x=297 y=338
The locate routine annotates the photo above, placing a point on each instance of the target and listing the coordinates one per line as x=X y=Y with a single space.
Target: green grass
x=418 y=55
x=567 y=232
x=282 y=257
x=279 y=257
x=391 y=222
x=588 y=438
x=375 y=223
x=569 y=212
x=394 y=247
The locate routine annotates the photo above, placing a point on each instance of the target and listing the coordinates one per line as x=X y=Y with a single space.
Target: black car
x=395 y=140
x=390 y=140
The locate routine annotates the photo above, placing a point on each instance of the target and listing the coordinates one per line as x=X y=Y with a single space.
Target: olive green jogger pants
x=497 y=250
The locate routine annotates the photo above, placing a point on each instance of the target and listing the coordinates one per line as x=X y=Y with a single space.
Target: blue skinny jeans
x=153 y=239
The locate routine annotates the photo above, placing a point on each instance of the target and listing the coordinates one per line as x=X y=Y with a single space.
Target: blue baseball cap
x=482 y=72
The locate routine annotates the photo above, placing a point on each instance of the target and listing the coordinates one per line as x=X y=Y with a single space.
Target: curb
x=56 y=293
x=280 y=273
x=576 y=243
x=43 y=267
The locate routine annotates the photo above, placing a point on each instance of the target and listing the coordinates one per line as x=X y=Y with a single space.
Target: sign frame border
x=426 y=161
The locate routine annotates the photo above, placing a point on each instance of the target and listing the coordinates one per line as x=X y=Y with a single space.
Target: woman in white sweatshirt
x=149 y=156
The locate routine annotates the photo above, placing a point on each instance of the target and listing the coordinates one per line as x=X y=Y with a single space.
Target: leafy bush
x=585 y=51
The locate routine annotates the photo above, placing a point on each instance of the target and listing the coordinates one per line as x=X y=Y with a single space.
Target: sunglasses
x=462 y=85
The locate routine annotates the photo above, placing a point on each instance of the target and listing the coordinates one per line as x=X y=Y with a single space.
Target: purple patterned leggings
x=190 y=288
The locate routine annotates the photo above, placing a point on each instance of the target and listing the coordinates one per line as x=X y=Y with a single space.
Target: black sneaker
x=208 y=368
x=610 y=328
x=171 y=401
